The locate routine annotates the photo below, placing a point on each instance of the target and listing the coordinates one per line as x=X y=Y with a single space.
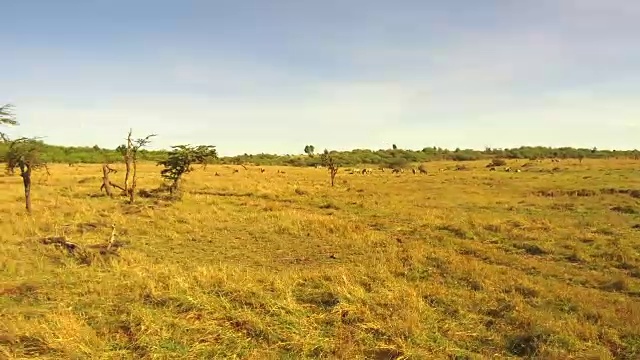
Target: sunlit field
x=456 y=264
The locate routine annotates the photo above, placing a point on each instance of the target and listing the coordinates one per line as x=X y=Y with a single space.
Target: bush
x=497 y=162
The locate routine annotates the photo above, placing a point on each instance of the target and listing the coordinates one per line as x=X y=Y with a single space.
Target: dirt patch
x=587 y=192
x=384 y=354
x=558 y=193
x=625 y=209
x=29 y=346
x=531 y=249
x=19 y=291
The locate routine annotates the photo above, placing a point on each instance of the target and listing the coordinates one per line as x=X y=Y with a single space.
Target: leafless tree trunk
x=334 y=171
x=106 y=182
x=26 y=180
x=128 y=160
x=132 y=191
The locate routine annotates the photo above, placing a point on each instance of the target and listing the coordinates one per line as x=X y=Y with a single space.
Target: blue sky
x=272 y=76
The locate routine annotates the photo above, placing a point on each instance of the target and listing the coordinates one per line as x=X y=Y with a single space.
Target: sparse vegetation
x=459 y=264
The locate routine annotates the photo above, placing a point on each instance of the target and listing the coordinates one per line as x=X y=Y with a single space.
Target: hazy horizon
x=255 y=78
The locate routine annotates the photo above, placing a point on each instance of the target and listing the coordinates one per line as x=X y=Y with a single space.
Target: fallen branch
x=58 y=240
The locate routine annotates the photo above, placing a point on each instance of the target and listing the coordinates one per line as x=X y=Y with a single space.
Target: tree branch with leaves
x=7 y=117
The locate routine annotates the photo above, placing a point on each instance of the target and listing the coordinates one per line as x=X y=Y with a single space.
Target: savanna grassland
x=467 y=264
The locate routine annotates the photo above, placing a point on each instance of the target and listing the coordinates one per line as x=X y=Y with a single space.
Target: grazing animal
x=414 y=171
x=396 y=171
x=262 y=170
x=217 y=174
x=507 y=169
x=492 y=169
x=367 y=171
x=236 y=171
x=518 y=170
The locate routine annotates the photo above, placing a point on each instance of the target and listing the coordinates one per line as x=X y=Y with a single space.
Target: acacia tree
x=130 y=154
x=330 y=164
x=6 y=118
x=309 y=150
x=180 y=159
x=24 y=154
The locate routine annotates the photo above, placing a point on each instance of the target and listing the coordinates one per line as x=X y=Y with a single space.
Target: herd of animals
x=394 y=170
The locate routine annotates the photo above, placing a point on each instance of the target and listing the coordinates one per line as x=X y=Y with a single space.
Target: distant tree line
x=384 y=157
x=396 y=157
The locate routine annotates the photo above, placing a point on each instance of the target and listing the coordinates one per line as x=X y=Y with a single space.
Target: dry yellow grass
x=457 y=264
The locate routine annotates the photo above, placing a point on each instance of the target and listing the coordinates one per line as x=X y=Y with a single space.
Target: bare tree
x=137 y=145
x=130 y=154
x=24 y=154
x=330 y=164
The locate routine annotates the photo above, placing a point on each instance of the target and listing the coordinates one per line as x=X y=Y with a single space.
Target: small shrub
x=531 y=249
x=497 y=162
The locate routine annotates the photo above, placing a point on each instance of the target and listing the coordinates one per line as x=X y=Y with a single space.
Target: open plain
x=464 y=264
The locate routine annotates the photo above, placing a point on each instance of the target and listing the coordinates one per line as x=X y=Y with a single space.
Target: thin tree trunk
x=133 y=182
x=126 y=176
x=174 y=186
x=26 y=180
x=128 y=161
